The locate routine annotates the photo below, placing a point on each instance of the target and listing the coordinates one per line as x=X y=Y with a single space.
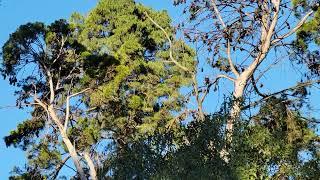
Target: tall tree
x=45 y=63
x=244 y=37
x=138 y=96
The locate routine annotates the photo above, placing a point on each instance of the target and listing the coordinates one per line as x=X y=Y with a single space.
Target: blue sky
x=16 y=12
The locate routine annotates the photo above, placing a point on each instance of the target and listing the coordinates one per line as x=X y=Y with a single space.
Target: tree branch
x=60 y=50
x=90 y=163
x=170 y=44
x=212 y=83
x=171 y=122
x=268 y=96
x=68 y=107
x=233 y=69
x=254 y=84
x=216 y=10
x=266 y=40
x=52 y=93
x=302 y=21
x=59 y=167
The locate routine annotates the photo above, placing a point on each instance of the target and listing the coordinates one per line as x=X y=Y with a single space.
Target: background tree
x=134 y=122
x=139 y=94
x=244 y=40
x=277 y=143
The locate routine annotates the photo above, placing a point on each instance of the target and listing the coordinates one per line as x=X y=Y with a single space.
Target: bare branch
x=254 y=84
x=52 y=92
x=216 y=10
x=68 y=107
x=302 y=21
x=268 y=96
x=197 y=95
x=233 y=69
x=273 y=24
x=170 y=44
x=60 y=50
x=266 y=39
x=59 y=167
x=171 y=122
x=38 y=101
x=212 y=83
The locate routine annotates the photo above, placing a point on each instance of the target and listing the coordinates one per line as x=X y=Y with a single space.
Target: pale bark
x=62 y=130
x=92 y=170
x=239 y=87
x=70 y=147
x=242 y=79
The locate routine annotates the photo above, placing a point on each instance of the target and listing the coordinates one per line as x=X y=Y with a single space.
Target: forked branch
x=68 y=107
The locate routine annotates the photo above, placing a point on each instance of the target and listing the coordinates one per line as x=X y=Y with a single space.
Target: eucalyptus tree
x=45 y=64
x=246 y=39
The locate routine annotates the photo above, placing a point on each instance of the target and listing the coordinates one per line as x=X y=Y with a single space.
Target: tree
x=138 y=96
x=45 y=63
x=255 y=32
x=278 y=143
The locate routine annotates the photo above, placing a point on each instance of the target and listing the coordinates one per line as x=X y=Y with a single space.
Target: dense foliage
x=132 y=115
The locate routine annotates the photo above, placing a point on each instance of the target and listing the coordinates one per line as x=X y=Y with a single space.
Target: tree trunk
x=74 y=156
x=92 y=171
x=71 y=149
x=235 y=112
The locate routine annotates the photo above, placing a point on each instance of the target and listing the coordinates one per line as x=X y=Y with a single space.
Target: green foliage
x=309 y=32
x=141 y=89
x=136 y=92
x=307 y=40
x=24 y=133
x=26 y=174
x=197 y=154
x=276 y=143
x=138 y=86
x=43 y=156
x=271 y=147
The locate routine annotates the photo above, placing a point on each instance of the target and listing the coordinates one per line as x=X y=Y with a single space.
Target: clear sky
x=16 y=12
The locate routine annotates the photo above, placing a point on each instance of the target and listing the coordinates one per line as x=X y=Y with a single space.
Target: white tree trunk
x=74 y=156
x=71 y=149
x=92 y=171
x=235 y=111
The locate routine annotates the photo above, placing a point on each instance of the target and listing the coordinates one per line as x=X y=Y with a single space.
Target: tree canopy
x=122 y=93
